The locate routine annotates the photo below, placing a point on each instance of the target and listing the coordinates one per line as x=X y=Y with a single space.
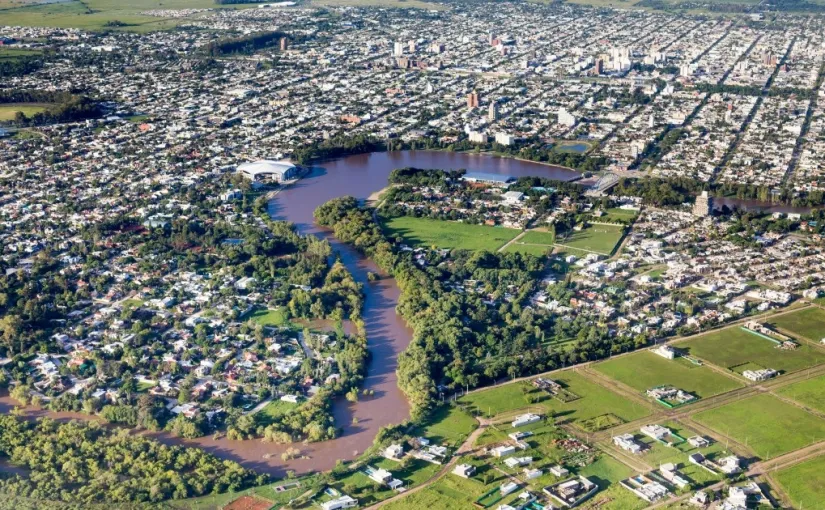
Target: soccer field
x=644 y=370
x=600 y=239
x=427 y=232
x=734 y=347
x=765 y=424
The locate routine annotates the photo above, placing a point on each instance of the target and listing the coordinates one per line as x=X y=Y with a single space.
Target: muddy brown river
x=387 y=334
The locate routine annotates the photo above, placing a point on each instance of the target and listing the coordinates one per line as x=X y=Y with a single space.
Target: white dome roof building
x=268 y=170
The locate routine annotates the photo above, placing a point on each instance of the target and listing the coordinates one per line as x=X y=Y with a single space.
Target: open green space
x=607 y=472
x=808 y=392
x=615 y=214
x=447 y=234
x=11 y=53
x=268 y=317
x=737 y=349
x=645 y=370
x=601 y=239
x=765 y=424
x=273 y=410
x=809 y=323
x=595 y=400
x=100 y=14
x=448 y=425
x=9 y=110
x=533 y=242
x=267 y=492
x=804 y=483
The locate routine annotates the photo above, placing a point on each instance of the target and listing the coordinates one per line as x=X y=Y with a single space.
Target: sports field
x=594 y=400
x=736 y=349
x=533 y=242
x=601 y=239
x=809 y=323
x=644 y=370
x=447 y=234
x=808 y=392
x=804 y=483
x=765 y=424
x=9 y=110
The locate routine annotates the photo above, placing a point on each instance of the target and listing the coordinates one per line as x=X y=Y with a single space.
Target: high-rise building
x=284 y=43
x=472 y=99
x=703 y=205
x=398 y=49
x=598 y=68
x=411 y=46
x=492 y=111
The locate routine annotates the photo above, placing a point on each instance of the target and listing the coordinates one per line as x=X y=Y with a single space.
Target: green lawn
x=268 y=317
x=533 y=242
x=804 y=483
x=595 y=400
x=448 y=425
x=644 y=370
x=809 y=392
x=9 y=110
x=809 y=323
x=616 y=214
x=733 y=347
x=600 y=239
x=273 y=410
x=607 y=472
x=765 y=424
x=447 y=234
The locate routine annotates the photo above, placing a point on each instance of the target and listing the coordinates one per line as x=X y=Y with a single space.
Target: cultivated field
x=447 y=234
x=734 y=348
x=644 y=370
x=809 y=323
x=765 y=424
